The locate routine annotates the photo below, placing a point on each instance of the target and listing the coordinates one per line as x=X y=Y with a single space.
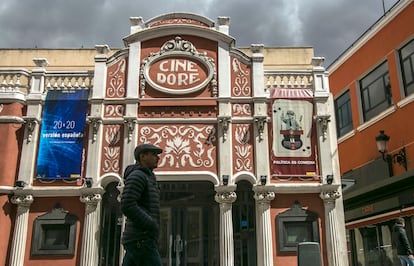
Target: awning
x=283 y=93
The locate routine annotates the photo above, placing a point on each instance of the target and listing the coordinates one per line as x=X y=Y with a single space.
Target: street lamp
x=400 y=157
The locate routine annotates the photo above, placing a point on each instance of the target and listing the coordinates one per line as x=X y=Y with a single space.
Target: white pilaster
x=329 y=166
x=320 y=78
x=137 y=24
x=257 y=70
x=32 y=121
x=20 y=229
x=223 y=24
x=264 y=228
x=90 y=243
x=260 y=113
x=225 y=200
x=224 y=70
x=99 y=79
x=335 y=235
x=96 y=114
x=134 y=63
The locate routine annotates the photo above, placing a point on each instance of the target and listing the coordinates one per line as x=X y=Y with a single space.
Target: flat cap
x=146 y=147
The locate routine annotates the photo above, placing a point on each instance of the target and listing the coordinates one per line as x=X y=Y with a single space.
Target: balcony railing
x=69 y=80
x=288 y=79
x=14 y=80
x=19 y=80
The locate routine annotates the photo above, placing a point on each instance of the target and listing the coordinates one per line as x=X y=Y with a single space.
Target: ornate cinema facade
x=249 y=167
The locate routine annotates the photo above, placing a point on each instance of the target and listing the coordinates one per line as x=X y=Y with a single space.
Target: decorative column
x=226 y=199
x=17 y=252
x=90 y=248
x=264 y=228
x=337 y=252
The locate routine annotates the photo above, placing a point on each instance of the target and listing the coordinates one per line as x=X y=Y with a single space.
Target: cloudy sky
x=330 y=26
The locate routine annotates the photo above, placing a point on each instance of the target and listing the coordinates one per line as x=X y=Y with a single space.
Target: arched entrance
x=244 y=225
x=111 y=225
x=189 y=224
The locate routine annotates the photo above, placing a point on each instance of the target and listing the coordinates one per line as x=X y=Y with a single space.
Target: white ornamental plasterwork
x=242 y=109
x=1 y=107
x=183 y=145
x=116 y=86
x=111 y=152
x=242 y=148
x=241 y=82
x=114 y=110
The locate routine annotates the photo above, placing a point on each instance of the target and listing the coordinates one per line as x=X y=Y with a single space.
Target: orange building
x=249 y=169
x=372 y=83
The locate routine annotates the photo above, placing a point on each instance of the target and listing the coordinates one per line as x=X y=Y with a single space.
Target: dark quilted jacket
x=400 y=240
x=140 y=203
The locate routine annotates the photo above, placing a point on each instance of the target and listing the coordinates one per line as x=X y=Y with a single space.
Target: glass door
x=189 y=224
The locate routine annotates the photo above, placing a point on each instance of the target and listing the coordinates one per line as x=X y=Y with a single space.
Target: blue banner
x=62 y=135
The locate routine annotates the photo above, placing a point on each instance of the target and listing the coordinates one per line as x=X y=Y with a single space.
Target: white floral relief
x=116 y=81
x=242 y=148
x=112 y=134
x=111 y=162
x=241 y=86
x=184 y=146
x=111 y=153
x=1 y=107
x=242 y=109
x=114 y=110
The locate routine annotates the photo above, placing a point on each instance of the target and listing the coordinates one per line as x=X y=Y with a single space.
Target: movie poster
x=62 y=135
x=293 y=143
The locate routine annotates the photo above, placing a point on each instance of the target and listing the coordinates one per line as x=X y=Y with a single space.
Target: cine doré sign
x=178 y=68
x=177 y=74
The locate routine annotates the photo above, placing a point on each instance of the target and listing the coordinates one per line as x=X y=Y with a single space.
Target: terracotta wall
x=283 y=202
x=41 y=206
x=10 y=144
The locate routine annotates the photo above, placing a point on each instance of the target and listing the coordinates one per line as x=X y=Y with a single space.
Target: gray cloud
x=328 y=26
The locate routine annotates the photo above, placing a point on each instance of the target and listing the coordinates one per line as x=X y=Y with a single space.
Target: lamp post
x=382 y=146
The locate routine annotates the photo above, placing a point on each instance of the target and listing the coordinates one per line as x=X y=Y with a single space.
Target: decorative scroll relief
x=184 y=146
x=243 y=149
x=177 y=112
x=242 y=109
x=178 y=69
x=111 y=149
x=177 y=21
x=241 y=86
x=114 y=110
x=116 y=80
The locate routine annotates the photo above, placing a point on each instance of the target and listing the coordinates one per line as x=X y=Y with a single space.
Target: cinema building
x=249 y=170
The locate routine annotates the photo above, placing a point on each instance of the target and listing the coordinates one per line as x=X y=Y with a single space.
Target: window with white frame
x=406 y=54
x=343 y=114
x=375 y=91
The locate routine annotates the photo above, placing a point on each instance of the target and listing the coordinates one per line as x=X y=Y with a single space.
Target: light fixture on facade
x=225 y=179
x=329 y=179
x=263 y=179
x=20 y=183
x=400 y=157
x=88 y=181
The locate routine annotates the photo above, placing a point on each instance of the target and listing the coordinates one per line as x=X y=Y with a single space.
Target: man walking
x=140 y=203
x=401 y=244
